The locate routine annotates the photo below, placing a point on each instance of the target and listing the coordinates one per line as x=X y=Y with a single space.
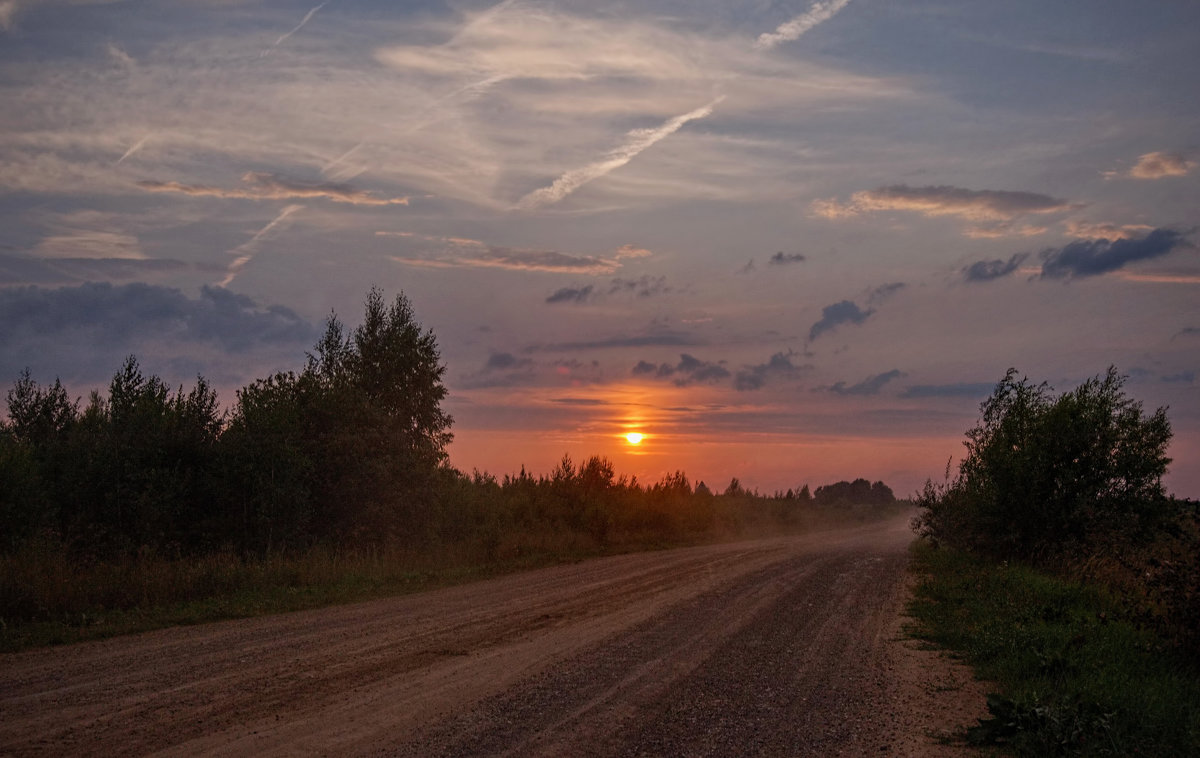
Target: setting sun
x=634 y=438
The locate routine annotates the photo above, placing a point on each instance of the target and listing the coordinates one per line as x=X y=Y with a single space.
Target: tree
x=353 y=444
x=1046 y=474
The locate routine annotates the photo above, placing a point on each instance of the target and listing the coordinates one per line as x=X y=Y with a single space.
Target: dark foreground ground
x=788 y=646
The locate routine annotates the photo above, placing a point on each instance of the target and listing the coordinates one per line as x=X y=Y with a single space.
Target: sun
x=634 y=438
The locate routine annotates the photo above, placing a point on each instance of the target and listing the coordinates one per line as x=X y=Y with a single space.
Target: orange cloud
x=1160 y=164
x=263 y=186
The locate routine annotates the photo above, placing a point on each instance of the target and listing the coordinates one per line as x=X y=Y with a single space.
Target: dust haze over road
x=784 y=646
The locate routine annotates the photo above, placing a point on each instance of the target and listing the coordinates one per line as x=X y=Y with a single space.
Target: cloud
x=960 y=389
x=572 y=294
x=778 y=366
x=833 y=316
x=638 y=140
x=461 y=252
x=516 y=259
x=1160 y=164
x=785 y=259
x=869 y=386
x=1089 y=230
x=505 y=362
x=690 y=370
x=8 y=14
x=986 y=271
x=19 y=268
x=134 y=148
x=266 y=186
x=664 y=339
x=793 y=29
x=642 y=287
x=1183 y=377
x=283 y=37
x=995 y=206
x=632 y=251
x=82 y=332
x=1094 y=257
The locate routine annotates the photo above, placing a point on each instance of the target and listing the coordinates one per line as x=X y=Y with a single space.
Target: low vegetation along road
x=786 y=646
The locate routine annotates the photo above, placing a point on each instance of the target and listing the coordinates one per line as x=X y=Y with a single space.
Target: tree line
x=349 y=450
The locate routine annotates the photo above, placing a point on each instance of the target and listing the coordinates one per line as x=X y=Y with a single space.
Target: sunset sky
x=784 y=241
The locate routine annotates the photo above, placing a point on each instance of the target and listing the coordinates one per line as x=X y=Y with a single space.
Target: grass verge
x=1075 y=678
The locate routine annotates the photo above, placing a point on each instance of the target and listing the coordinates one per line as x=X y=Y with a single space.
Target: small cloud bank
x=785 y=259
x=121 y=315
x=988 y=271
x=1100 y=256
x=778 y=367
x=833 y=316
x=870 y=386
x=265 y=186
x=1161 y=164
x=642 y=287
x=689 y=370
x=81 y=333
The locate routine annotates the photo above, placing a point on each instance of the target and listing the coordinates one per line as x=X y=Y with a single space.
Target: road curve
x=782 y=646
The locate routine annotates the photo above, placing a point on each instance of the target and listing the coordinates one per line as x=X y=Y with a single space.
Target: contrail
x=137 y=146
x=299 y=26
x=790 y=30
x=641 y=139
x=486 y=15
x=249 y=248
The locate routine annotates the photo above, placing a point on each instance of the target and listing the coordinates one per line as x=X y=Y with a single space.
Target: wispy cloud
x=793 y=29
x=1089 y=230
x=265 y=186
x=247 y=250
x=833 y=316
x=870 y=386
x=1161 y=164
x=884 y=291
x=1093 y=257
x=284 y=37
x=997 y=208
x=638 y=140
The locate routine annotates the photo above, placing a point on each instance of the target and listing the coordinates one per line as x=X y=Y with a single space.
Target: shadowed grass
x=1076 y=677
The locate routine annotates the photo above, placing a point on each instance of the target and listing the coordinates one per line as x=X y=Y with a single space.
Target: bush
x=1049 y=476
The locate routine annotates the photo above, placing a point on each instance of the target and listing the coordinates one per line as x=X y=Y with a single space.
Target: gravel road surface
x=786 y=646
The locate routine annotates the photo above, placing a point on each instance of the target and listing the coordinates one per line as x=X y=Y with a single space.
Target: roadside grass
x=51 y=600
x=48 y=597
x=1076 y=675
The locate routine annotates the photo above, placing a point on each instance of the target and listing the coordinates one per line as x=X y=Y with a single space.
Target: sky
x=789 y=242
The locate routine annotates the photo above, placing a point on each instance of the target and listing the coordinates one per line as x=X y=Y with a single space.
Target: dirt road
x=773 y=647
